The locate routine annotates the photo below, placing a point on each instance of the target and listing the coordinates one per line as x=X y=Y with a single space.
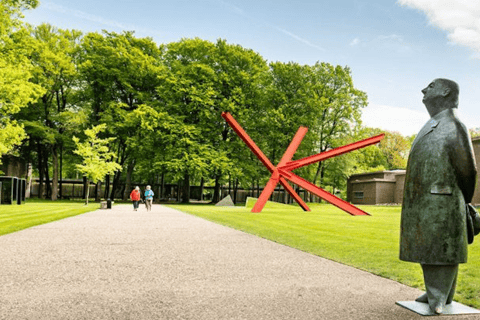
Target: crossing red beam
x=248 y=141
x=282 y=172
x=275 y=178
x=292 y=165
x=327 y=196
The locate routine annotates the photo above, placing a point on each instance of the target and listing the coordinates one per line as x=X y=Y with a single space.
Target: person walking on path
x=149 y=198
x=135 y=197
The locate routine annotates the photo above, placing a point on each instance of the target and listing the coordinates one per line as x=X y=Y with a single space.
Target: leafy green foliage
x=120 y=74
x=163 y=105
x=16 y=91
x=11 y=134
x=97 y=159
x=96 y=155
x=203 y=79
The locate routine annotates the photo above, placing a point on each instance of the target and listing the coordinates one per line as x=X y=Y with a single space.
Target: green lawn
x=369 y=243
x=34 y=212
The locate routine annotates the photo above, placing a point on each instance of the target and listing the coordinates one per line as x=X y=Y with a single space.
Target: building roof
x=373 y=180
x=396 y=171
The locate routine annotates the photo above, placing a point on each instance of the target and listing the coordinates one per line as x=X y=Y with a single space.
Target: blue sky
x=394 y=48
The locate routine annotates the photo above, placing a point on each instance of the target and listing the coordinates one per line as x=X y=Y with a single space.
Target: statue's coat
x=440 y=179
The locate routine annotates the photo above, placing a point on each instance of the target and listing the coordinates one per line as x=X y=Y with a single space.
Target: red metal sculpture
x=283 y=171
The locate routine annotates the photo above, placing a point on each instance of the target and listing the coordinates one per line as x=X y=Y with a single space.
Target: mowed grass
x=35 y=212
x=370 y=243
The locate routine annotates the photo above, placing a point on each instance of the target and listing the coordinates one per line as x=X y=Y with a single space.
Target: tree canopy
x=16 y=71
x=156 y=109
x=97 y=159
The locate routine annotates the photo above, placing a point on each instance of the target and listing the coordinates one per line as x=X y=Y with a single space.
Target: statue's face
x=434 y=90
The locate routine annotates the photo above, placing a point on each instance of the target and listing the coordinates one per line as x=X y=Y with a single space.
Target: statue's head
x=439 y=95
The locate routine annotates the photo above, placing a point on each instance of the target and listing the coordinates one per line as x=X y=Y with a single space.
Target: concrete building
x=376 y=187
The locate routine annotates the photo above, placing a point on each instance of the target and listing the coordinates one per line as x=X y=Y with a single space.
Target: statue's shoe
x=438 y=308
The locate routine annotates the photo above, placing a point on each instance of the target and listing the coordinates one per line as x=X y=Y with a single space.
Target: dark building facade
x=13 y=166
x=381 y=187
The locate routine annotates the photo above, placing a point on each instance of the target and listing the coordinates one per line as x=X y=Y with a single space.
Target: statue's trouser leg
x=440 y=281
x=454 y=286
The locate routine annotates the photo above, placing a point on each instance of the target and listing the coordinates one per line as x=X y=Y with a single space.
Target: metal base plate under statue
x=424 y=309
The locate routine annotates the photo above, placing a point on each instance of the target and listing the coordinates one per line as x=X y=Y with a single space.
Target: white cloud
x=355 y=42
x=403 y=120
x=460 y=18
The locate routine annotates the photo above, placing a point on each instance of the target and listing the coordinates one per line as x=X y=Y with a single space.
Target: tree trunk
x=322 y=175
x=178 y=190
x=98 y=189
x=88 y=193
x=106 y=195
x=162 y=187
x=229 y=185
x=116 y=182
x=320 y=171
x=47 y=176
x=201 y=189
x=216 y=190
x=29 y=181
x=85 y=187
x=41 y=171
x=128 y=180
x=186 y=188
x=235 y=189
x=55 y=172
x=319 y=168
x=60 y=194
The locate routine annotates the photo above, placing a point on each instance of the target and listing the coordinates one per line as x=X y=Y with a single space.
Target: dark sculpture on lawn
x=439 y=185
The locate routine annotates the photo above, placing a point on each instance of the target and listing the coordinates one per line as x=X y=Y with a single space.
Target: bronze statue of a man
x=440 y=180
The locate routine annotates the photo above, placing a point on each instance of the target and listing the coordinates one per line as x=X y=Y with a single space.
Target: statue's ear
x=446 y=92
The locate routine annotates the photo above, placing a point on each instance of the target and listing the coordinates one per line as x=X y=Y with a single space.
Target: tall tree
x=121 y=73
x=205 y=79
x=338 y=105
x=321 y=97
x=391 y=153
x=16 y=89
x=97 y=159
x=55 y=58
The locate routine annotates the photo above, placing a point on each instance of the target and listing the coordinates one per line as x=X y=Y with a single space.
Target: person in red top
x=135 y=196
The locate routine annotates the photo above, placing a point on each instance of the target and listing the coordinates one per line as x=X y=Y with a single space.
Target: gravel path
x=122 y=264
